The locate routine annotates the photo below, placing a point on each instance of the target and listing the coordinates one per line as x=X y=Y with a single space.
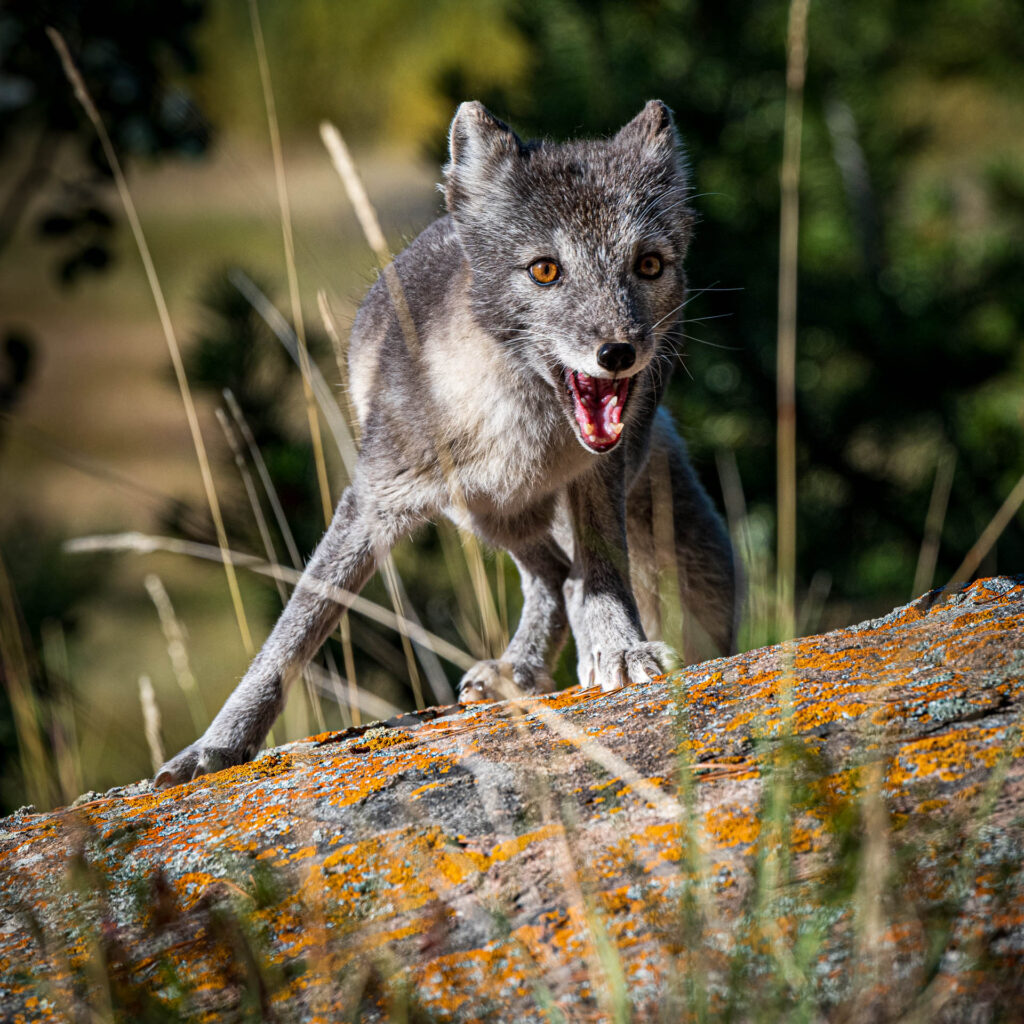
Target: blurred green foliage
x=135 y=67
x=383 y=72
x=912 y=221
x=911 y=239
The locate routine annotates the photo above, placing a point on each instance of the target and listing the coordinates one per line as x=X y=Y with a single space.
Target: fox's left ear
x=653 y=131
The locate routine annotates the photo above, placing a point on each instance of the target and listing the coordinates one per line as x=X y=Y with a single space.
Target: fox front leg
x=602 y=608
x=345 y=559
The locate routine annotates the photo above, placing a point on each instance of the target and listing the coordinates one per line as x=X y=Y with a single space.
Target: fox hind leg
x=681 y=559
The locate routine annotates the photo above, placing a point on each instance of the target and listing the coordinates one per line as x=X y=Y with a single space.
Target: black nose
x=616 y=356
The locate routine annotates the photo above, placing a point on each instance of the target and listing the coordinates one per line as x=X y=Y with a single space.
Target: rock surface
x=829 y=829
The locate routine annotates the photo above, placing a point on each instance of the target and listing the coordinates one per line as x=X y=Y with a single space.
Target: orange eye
x=649 y=265
x=544 y=271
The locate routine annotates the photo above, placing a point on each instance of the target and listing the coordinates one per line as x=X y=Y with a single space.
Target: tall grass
x=789 y=234
x=174 y=350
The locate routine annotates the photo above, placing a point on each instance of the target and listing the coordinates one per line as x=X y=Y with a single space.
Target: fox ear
x=478 y=144
x=477 y=134
x=652 y=130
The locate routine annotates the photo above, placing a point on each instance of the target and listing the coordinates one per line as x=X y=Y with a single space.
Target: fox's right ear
x=478 y=144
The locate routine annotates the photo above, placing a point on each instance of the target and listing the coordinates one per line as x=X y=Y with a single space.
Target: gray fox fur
x=512 y=385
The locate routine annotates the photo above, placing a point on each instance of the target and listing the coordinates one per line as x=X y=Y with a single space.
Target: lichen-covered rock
x=828 y=829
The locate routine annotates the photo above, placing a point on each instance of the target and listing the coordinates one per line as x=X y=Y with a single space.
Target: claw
x=499 y=680
x=195 y=761
x=641 y=663
x=178 y=769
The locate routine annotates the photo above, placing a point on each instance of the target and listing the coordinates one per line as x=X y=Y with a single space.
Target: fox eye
x=544 y=272
x=649 y=265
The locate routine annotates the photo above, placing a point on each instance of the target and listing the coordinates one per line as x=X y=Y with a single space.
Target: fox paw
x=500 y=680
x=196 y=760
x=612 y=668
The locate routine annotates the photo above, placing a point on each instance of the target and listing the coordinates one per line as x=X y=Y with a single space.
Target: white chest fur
x=508 y=439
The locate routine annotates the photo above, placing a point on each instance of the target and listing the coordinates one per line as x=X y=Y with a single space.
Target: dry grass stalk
x=264 y=474
x=250 y=493
x=312 y=700
x=83 y=97
x=146 y=544
x=61 y=706
x=601 y=755
x=929 y=553
x=393 y=585
x=177 y=651
x=789 y=229
x=151 y=723
x=16 y=674
x=348 y=655
x=289 y=258
x=984 y=544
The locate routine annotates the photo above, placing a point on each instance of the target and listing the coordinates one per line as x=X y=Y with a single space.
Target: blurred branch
x=151 y=722
x=145 y=544
x=32 y=179
x=983 y=545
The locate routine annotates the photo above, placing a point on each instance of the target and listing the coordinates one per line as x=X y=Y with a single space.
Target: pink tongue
x=598 y=406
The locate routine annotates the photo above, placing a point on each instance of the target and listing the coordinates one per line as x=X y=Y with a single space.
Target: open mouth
x=597 y=405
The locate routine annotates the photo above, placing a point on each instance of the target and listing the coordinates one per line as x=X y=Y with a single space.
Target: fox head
x=576 y=252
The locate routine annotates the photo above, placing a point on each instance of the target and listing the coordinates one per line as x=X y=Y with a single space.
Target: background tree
x=135 y=66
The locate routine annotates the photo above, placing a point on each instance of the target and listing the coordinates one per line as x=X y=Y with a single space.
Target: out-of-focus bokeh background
x=910 y=372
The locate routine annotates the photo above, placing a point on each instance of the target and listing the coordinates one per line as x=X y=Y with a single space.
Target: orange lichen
x=731 y=826
x=947 y=757
x=380 y=739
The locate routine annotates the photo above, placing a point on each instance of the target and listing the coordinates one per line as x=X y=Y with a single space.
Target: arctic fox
x=506 y=373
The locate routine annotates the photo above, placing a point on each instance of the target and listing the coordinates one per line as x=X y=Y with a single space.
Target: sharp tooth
x=612 y=402
x=588 y=429
x=616 y=429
